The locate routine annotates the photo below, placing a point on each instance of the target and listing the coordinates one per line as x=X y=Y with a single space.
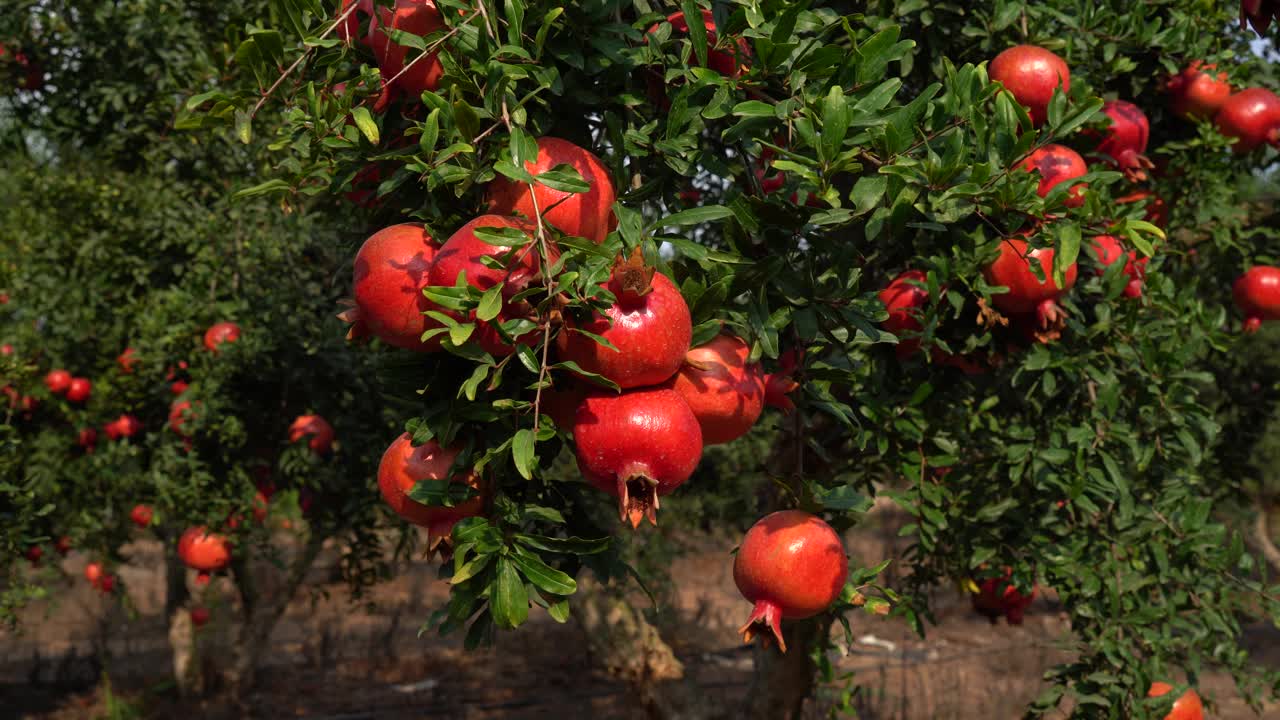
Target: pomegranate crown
x=632 y=279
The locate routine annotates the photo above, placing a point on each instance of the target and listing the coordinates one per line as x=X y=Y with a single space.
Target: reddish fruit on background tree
x=584 y=215
x=79 y=390
x=1157 y=209
x=93 y=573
x=179 y=386
x=637 y=446
x=317 y=428
x=730 y=61
x=203 y=551
x=1109 y=250
x=202 y=579
x=124 y=426
x=126 y=361
x=199 y=616
x=219 y=333
x=390 y=271
x=62 y=545
x=34 y=553
x=791 y=565
x=778 y=386
x=1257 y=294
x=57 y=381
x=999 y=596
x=1030 y=73
x=349 y=27
x=1029 y=297
x=1057 y=164
x=179 y=413
x=1186 y=707
x=400 y=73
x=1126 y=140
x=1197 y=92
x=6 y=349
x=725 y=392
x=904 y=299
x=107 y=584
x=404 y=466
x=1252 y=117
x=141 y=515
x=649 y=326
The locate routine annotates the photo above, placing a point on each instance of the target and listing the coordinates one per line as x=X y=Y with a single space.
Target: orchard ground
x=333 y=659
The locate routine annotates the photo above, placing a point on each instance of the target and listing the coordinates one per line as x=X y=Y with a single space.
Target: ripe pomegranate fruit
x=179 y=413
x=203 y=551
x=649 y=324
x=1257 y=293
x=79 y=389
x=1109 y=250
x=219 y=333
x=1030 y=73
x=399 y=72
x=1057 y=164
x=731 y=61
x=1252 y=117
x=390 y=271
x=34 y=553
x=1186 y=707
x=6 y=349
x=124 y=426
x=141 y=515
x=179 y=386
x=463 y=251
x=1028 y=297
x=348 y=30
x=725 y=392
x=1195 y=92
x=998 y=596
x=637 y=445
x=62 y=545
x=317 y=428
x=93 y=573
x=1157 y=209
x=199 y=616
x=791 y=565
x=584 y=215
x=904 y=299
x=1126 y=140
x=404 y=465
x=57 y=381
x=126 y=361
x=777 y=386
x=107 y=584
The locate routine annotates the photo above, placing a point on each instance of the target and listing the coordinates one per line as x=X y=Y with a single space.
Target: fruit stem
x=769 y=615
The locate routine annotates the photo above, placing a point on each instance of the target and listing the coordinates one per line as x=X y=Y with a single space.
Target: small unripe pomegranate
x=649 y=325
x=638 y=446
x=57 y=381
x=1126 y=140
x=999 y=596
x=199 y=616
x=1030 y=73
x=141 y=515
x=219 y=333
x=125 y=426
x=1057 y=164
x=79 y=389
x=792 y=566
x=1109 y=250
x=126 y=361
x=725 y=392
x=1257 y=294
x=584 y=215
x=1187 y=707
x=390 y=271
x=1028 y=296
x=319 y=430
x=904 y=299
x=1252 y=117
x=1197 y=92
x=404 y=466
x=204 y=551
x=400 y=72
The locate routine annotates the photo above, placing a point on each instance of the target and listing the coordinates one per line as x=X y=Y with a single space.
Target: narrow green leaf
x=508 y=597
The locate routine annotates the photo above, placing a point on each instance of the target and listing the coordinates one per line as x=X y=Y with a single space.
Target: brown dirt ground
x=332 y=660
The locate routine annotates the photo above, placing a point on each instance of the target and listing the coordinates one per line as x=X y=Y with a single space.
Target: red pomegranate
x=125 y=426
x=584 y=215
x=107 y=584
x=1252 y=117
x=219 y=333
x=79 y=389
x=34 y=553
x=349 y=28
x=1030 y=73
x=126 y=361
x=93 y=573
x=319 y=430
x=1186 y=707
x=1157 y=209
x=649 y=325
x=1109 y=251
x=57 y=381
x=199 y=616
x=791 y=565
x=778 y=386
x=179 y=413
x=6 y=349
x=400 y=72
x=404 y=465
x=999 y=596
x=62 y=545
x=391 y=269
x=725 y=392
x=1195 y=92
x=141 y=515
x=1028 y=297
x=179 y=386
x=637 y=445
x=463 y=251
x=204 y=551
x=1257 y=293
x=1126 y=140
x=731 y=61
x=1057 y=164
x=904 y=298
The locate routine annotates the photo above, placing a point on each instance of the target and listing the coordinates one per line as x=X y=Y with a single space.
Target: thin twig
x=341 y=19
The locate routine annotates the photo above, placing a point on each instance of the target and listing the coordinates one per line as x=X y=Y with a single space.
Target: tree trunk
x=1262 y=536
x=781 y=682
x=187 y=672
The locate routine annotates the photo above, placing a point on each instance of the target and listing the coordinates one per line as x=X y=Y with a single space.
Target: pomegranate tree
x=1252 y=117
x=79 y=389
x=583 y=214
x=1031 y=74
x=403 y=466
x=1198 y=92
x=1257 y=294
x=998 y=596
x=730 y=61
x=1057 y=164
x=724 y=390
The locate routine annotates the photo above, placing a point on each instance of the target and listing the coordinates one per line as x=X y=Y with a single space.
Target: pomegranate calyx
x=632 y=279
x=637 y=498
x=776 y=388
x=769 y=615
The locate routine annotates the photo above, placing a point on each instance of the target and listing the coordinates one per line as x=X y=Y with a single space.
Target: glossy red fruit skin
x=199 y=616
x=1252 y=117
x=93 y=573
x=463 y=251
x=57 y=381
x=791 y=565
x=79 y=389
x=1028 y=296
x=349 y=29
x=904 y=300
x=389 y=273
x=319 y=430
x=637 y=446
x=141 y=515
x=728 y=62
x=584 y=215
x=404 y=465
x=1196 y=92
x=1126 y=140
x=1030 y=73
x=126 y=361
x=649 y=324
x=1057 y=164
x=1186 y=707
x=998 y=596
x=219 y=333
x=417 y=17
x=124 y=426
x=204 y=551
x=724 y=391
x=1109 y=250
x=1257 y=294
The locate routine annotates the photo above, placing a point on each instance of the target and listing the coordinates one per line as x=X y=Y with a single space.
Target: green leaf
x=508 y=598
x=542 y=575
x=490 y=303
x=522 y=452
x=364 y=121
x=271 y=186
x=697 y=31
x=568 y=546
x=564 y=178
x=694 y=216
x=559 y=611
